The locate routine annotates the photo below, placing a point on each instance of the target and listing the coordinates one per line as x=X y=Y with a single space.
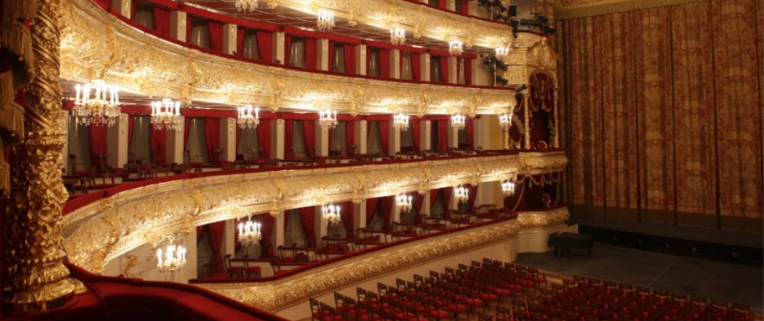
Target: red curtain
x=384 y=62
x=240 y=40
x=133 y=7
x=267 y=226
x=310 y=54
x=443 y=69
x=348 y=217
x=371 y=205
x=308 y=221
x=442 y=4
x=159 y=143
x=186 y=128
x=189 y=27
x=216 y=35
x=447 y=192
x=212 y=138
x=416 y=66
x=473 y=197
x=443 y=135
x=287 y=48
x=384 y=135
x=416 y=133
x=433 y=197
x=288 y=139
x=418 y=200
x=162 y=21
x=467 y=69
x=349 y=137
x=216 y=232
x=265 y=46
x=98 y=146
x=387 y=211
x=264 y=137
x=309 y=133
x=331 y=56
x=465 y=7
x=470 y=129
x=349 y=59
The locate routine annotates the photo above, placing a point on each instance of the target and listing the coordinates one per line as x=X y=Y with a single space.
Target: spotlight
x=499 y=5
x=521 y=89
x=501 y=80
x=499 y=16
x=494 y=62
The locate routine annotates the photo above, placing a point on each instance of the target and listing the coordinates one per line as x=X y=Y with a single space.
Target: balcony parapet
x=111 y=226
x=97 y=44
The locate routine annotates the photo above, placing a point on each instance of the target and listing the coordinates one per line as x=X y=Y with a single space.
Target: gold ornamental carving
x=33 y=256
x=145 y=61
x=540 y=219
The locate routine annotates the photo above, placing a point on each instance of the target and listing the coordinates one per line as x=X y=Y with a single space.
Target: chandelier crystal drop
x=166 y=114
x=404 y=202
x=331 y=213
x=458 y=121
x=173 y=258
x=462 y=194
x=327 y=119
x=246 y=5
x=245 y=119
x=397 y=36
x=455 y=47
x=505 y=121
x=502 y=52
x=325 y=20
x=96 y=103
x=401 y=122
x=249 y=233
x=508 y=188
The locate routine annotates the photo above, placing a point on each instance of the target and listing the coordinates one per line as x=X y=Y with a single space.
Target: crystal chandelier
x=397 y=36
x=458 y=121
x=166 y=114
x=246 y=5
x=327 y=119
x=508 y=188
x=462 y=194
x=325 y=20
x=502 y=52
x=403 y=202
x=505 y=121
x=401 y=121
x=245 y=118
x=455 y=47
x=96 y=103
x=331 y=213
x=249 y=233
x=171 y=259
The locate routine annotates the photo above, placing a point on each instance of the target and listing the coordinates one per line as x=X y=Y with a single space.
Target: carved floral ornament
x=151 y=213
x=95 y=43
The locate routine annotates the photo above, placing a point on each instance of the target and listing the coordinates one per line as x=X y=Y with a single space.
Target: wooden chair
x=233 y=270
x=251 y=271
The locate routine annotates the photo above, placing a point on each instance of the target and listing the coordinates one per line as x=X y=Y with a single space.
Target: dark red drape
x=186 y=130
x=349 y=137
x=348 y=215
x=130 y=130
x=349 y=59
x=240 y=32
x=384 y=136
x=418 y=200
x=267 y=226
x=309 y=133
x=447 y=192
x=308 y=221
x=331 y=56
x=265 y=46
x=416 y=66
x=189 y=27
x=199 y=232
x=133 y=7
x=288 y=139
x=311 y=56
x=98 y=146
x=216 y=232
x=238 y=138
x=443 y=69
x=443 y=127
x=212 y=137
x=387 y=211
x=159 y=143
x=433 y=196
x=264 y=137
x=468 y=70
x=162 y=21
x=473 y=197
x=216 y=35
x=287 y=49
x=465 y=7
x=442 y=4
x=416 y=133
x=371 y=205
x=384 y=62
x=470 y=130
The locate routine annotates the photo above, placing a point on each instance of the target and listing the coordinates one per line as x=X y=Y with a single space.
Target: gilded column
x=556 y=137
x=33 y=258
x=526 y=97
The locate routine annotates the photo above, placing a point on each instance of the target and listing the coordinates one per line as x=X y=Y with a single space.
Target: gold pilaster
x=526 y=97
x=33 y=257
x=556 y=128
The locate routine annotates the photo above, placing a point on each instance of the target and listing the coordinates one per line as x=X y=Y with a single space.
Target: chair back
x=227 y=262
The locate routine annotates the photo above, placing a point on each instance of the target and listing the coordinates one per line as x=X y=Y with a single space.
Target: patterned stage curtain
x=663 y=111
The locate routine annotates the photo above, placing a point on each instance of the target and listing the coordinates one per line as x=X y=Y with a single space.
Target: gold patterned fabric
x=664 y=108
